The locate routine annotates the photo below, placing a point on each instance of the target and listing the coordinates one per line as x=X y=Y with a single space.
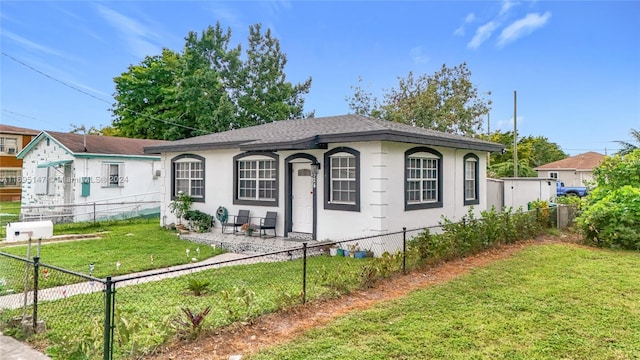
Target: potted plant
x=247 y=228
x=180 y=205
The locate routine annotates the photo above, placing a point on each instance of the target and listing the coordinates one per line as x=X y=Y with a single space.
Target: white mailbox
x=21 y=231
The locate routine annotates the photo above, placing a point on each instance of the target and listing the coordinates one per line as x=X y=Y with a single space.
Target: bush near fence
x=134 y=315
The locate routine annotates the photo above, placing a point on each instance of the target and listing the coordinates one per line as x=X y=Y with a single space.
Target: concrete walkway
x=12 y=349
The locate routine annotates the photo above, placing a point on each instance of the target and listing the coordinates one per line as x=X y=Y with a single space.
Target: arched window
x=187 y=175
x=423 y=179
x=342 y=179
x=255 y=179
x=471 y=162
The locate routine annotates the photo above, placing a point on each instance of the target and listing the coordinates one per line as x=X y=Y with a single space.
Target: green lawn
x=146 y=314
x=130 y=242
x=547 y=302
x=9 y=212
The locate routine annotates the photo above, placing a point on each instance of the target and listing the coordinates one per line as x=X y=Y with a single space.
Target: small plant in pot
x=247 y=228
x=180 y=205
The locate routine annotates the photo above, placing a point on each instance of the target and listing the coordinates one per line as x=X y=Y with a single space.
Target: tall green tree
x=445 y=101
x=628 y=147
x=207 y=88
x=264 y=94
x=207 y=70
x=146 y=98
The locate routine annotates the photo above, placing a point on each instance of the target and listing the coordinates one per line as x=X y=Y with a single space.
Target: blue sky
x=574 y=64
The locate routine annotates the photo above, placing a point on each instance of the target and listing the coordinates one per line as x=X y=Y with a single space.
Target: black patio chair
x=267 y=223
x=236 y=221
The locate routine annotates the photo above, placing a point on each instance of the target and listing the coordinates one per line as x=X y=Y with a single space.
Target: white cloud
x=483 y=33
x=468 y=19
x=138 y=37
x=33 y=45
x=506 y=5
x=523 y=27
x=227 y=16
x=417 y=56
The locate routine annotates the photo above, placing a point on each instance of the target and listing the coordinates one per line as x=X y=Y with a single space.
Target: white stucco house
x=74 y=177
x=333 y=178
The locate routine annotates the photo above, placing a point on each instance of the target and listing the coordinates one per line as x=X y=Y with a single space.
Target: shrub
x=611 y=213
x=198 y=220
x=613 y=221
x=471 y=235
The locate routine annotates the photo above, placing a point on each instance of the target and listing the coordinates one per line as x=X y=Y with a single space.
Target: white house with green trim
x=334 y=177
x=74 y=177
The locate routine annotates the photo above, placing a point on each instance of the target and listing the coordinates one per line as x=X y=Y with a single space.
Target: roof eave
x=403 y=137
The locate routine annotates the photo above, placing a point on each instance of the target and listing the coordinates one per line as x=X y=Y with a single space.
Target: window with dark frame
x=342 y=179
x=423 y=180
x=188 y=176
x=255 y=179
x=471 y=168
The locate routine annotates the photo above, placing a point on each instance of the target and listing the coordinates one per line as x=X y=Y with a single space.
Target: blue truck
x=561 y=190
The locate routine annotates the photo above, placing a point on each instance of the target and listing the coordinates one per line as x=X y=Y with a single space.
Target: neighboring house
x=572 y=171
x=329 y=178
x=12 y=140
x=66 y=174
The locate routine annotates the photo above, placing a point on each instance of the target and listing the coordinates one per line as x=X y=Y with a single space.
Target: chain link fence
x=128 y=316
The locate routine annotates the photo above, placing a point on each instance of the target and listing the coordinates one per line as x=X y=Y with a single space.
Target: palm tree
x=629 y=147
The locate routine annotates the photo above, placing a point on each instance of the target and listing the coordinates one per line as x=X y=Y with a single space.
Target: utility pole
x=515 y=135
x=488 y=137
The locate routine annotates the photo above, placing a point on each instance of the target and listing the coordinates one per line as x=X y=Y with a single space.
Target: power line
x=100 y=99
x=54 y=79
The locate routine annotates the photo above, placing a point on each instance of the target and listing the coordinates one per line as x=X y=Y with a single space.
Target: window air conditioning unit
x=11 y=150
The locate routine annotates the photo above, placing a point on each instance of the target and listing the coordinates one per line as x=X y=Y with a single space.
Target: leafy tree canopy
x=446 y=101
x=207 y=88
x=533 y=151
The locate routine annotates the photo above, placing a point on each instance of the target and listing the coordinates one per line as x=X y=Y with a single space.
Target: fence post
x=404 y=249
x=304 y=272
x=108 y=317
x=36 y=269
x=94 y=212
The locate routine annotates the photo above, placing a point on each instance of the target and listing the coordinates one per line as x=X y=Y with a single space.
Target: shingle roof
x=96 y=144
x=9 y=129
x=317 y=132
x=586 y=161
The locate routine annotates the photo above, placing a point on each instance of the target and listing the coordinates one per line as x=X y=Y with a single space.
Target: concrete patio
x=240 y=243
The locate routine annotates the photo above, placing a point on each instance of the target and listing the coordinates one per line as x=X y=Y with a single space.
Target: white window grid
x=189 y=178
x=343 y=179
x=470 y=179
x=422 y=180
x=257 y=180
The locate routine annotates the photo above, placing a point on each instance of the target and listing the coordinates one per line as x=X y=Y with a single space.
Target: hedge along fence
x=131 y=316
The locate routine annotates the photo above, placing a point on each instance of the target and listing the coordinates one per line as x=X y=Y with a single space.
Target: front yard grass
x=9 y=212
x=547 y=302
x=130 y=242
